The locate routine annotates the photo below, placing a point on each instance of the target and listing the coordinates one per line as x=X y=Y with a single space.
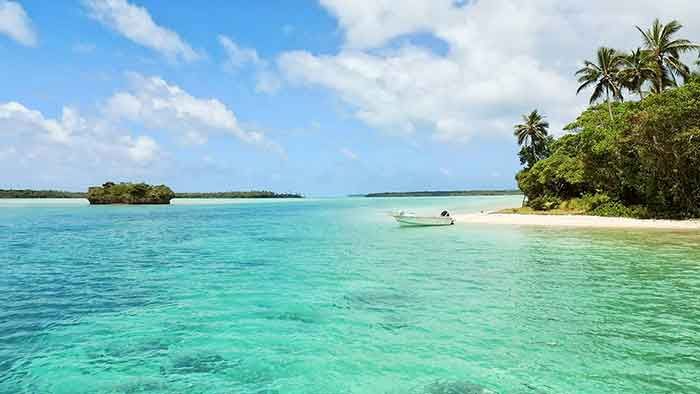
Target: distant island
x=239 y=194
x=136 y=193
x=129 y=193
x=27 y=193
x=445 y=193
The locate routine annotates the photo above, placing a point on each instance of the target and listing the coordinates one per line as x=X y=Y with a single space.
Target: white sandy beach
x=575 y=221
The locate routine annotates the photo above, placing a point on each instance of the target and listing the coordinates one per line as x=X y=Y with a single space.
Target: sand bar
x=575 y=221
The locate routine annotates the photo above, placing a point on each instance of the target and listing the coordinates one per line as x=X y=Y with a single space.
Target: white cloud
x=445 y=171
x=159 y=105
x=348 y=154
x=370 y=23
x=136 y=24
x=141 y=149
x=503 y=58
x=238 y=57
x=71 y=149
x=70 y=139
x=16 y=118
x=15 y=23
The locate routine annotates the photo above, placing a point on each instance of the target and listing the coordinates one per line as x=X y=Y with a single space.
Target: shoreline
x=579 y=221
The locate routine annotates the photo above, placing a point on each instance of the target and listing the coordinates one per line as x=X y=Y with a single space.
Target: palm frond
x=585 y=85
x=597 y=93
x=648 y=42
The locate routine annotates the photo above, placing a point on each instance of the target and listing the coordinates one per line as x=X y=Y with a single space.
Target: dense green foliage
x=644 y=161
x=26 y=193
x=129 y=193
x=452 y=193
x=633 y=159
x=239 y=194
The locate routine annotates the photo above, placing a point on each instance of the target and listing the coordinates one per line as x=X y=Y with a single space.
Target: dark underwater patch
x=378 y=301
x=142 y=385
x=293 y=316
x=198 y=363
x=456 y=387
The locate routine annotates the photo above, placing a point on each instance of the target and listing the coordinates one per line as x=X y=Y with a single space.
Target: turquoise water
x=331 y=296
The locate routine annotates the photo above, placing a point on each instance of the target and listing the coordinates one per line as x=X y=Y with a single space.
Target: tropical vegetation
x=623 y=158
x=533 y=138
x=129 y=193
x=27 y=193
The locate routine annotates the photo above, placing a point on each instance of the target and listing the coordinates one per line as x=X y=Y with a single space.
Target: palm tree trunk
x=659 y=75
x=607 y=99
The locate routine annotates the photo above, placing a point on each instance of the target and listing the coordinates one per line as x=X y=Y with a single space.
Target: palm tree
x=637 y=69
x=665 y=52
x=604 y=75
x=532 y=133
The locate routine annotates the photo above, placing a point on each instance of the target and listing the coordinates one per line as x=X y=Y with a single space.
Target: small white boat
x=411 y=219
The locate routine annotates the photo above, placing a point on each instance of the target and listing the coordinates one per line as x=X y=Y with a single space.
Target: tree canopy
x=626 y=158
x=129 y=193
x=646 y=158
x=533 y=138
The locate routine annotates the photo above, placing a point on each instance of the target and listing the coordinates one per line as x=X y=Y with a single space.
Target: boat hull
x=424 y=220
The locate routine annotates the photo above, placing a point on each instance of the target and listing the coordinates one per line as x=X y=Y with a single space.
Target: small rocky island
x=129 y=193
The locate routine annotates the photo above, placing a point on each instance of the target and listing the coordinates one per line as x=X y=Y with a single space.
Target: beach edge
x=583 y=221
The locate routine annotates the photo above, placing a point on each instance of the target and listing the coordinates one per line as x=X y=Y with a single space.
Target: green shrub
x=544 y=203
x=617 y=209
x=591 y=202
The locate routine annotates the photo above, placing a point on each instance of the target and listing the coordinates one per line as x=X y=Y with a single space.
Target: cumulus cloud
x=71 y=138
x=16 y=118
x=140 y=149
x=238 y=57
x=159 y=105
x=112 y=142
x=136 y=24
x=503 y=58
x=15 y=23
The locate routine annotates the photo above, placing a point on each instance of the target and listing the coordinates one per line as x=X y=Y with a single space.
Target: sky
x=323 y=98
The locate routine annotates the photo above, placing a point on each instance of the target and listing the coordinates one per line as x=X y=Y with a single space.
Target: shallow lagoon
x=330 y=296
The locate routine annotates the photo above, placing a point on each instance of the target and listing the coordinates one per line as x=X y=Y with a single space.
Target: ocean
x=332 y=296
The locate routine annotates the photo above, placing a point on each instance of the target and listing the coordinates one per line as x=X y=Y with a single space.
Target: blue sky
x=321 y=98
